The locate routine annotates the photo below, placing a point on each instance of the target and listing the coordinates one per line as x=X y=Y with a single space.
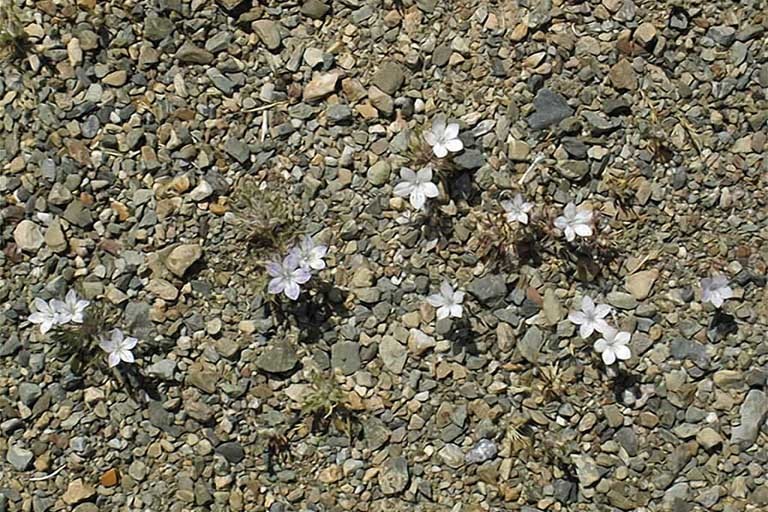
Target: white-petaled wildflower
x=715 y=290
x=590 y=318
x=45 y=315
x=517 y=209
x=448 y=302
x=119 y=347
x=71 y=309
x=614 y=345
x=417 y=186
x=574 y=221
x=287 y=276
x=443 y=138
x=310 y=254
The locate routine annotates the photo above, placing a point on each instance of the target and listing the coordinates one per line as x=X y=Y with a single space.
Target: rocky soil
x=128 y=127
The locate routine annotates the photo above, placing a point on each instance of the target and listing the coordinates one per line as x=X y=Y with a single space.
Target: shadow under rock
x=462 y=337
x=138 y=385
x=312 y=312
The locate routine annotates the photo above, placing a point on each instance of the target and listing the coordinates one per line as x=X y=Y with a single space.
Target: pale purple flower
x=71 y=309
x=590 y=318
x=287 y=276
x=417 y=186
x=443 y=138
x=517 y=209
x=310 y=254
x=574 y=222
x=46 y=315
x=448 y=302
x=119 y=347
x=614 y=345
x=715 y=290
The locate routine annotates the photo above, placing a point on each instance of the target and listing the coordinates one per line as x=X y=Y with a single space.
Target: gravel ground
x=130 y=130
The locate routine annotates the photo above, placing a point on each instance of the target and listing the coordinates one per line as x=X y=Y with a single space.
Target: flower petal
x=440 y=150
x=436 y=300
x=622 y=352
x=446 y=290
x=561 y=223
x=292 y=290
x=114 y=359
x=108 y=345
x=129 y=342
x=443 y=312
x=602 y=326
x=570 y=235
x=582 y=229
x=452 y=130
x=602 y=310
x=609 y=357
x=274 y=268
x=403 y=189
x=622 y=338
x=127 y=356
x=577 y=317
x=425 y=174
x=276 y=285
x=600 y=345
x=301 y=276
x=407 y=174
x=585 y=330
x=430 y=189
x=454 y=145
x=417 y=198
x=438 y=126
x=456 y=310
x=430 y=137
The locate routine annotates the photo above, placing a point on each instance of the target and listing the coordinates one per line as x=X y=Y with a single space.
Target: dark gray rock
x=345 y=355
x=551 y=108
x=488 y=289
x=232 y=451
x=279 y=357
x=389 y=78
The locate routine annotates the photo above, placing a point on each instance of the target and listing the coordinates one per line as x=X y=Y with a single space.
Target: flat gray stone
x=393 y=354
x=488 y=289
x=753 y=413
x=394 y=476
x=279 y=357
x=389 y=78
x=551 y=108
x=18 y=457
x=345 y=355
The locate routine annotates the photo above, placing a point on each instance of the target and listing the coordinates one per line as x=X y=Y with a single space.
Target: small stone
x=331 y=474
x=157 y=28
x=191 y=54
x=753 y=413
x=109 y=478
x=488 y=289
x=586 y=469
x=518 y=151
x=54 y=237
x=722 y=34
x=530 y=344
x=394 y=476
x=622 y=76
x=645 y=34
x=708 y=438
x=202 y=378
x=116 y=78
x=378 y=174
x=389 y=78
x=315 y=9
x=551 y=108
x=451 y=455
x=182 y=257
x=339 y=114
x=621 y=300
x=639 y=284
x=419 y=342
x=345 y=355
x=268 y=32
x=162 y=369
x=18 y=457
x=232 y=451
x=237 y=149
x=78 y=491
x=393 y=354
x=279 y=357
x=27 y=236
x=320 y=86
x=29 y=392
x=483 y=451
x=202 y=191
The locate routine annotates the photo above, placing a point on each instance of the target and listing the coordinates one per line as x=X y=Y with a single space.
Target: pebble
x=279 y=357
x=389 y=77
x=345 y=355
x=394 y=476
x=550 y=108
x=232 y=451
x=639 y=284
x=18 y=457
x=753 y=413
x=320 y=86
x=27 y=236
x=77 y=492
x=182 y=257
x=268 y=32
x=188 y=53
x=393 y=354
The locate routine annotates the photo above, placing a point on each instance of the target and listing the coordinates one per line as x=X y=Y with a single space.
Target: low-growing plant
x=265 y=214
x=13 y=39
x=327 y=406
x=79 y=344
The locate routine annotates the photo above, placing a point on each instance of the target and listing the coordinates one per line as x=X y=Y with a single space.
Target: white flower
x=309 y=254
x=46 y=314
x=590 y=318
x=715 y=290
x=613 y=345
x=517 y=209
x=574 y=222
x=417 y=186
x=71 y=309
x=287 y=277
x=443 y=138
x=118 y=347
x=447 y=301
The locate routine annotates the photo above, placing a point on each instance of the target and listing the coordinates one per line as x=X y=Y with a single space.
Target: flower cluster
x=448 y=302
x=57 y=312
x=417 y=186
x=575 y=221
x=715 y=290
x=613 y=344
x=296 y=268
